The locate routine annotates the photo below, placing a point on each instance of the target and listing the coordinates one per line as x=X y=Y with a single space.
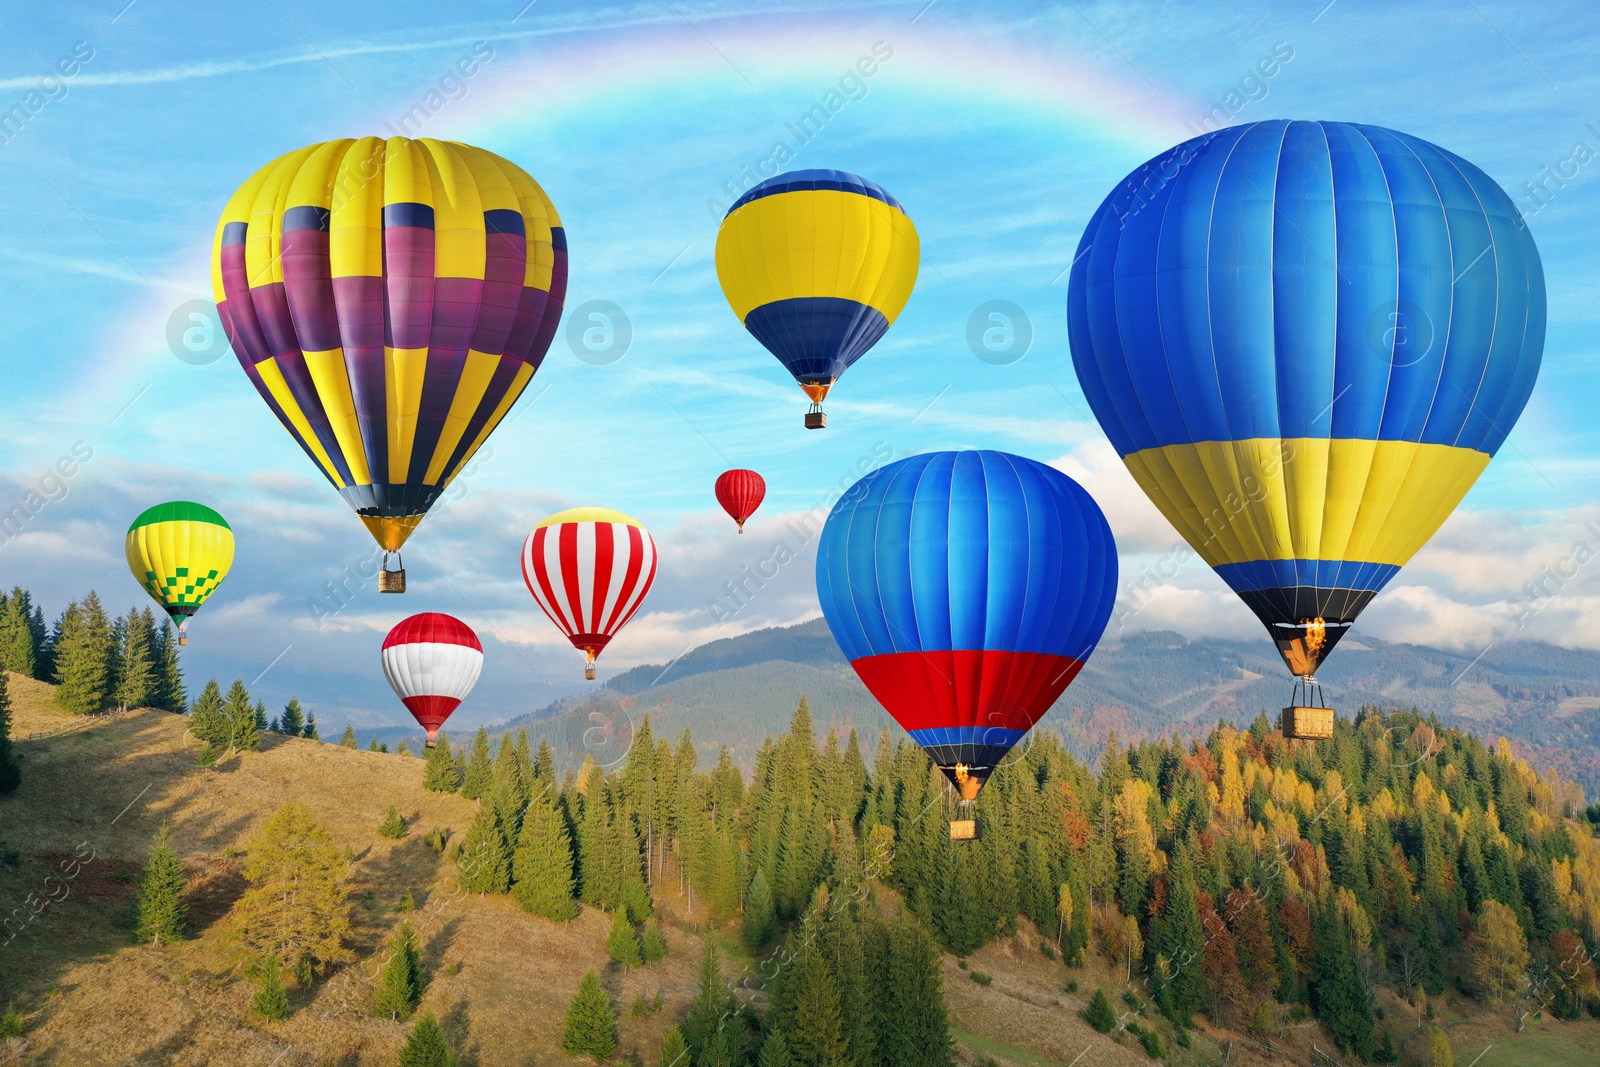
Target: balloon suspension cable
x=964 y=824
x=1308 y=692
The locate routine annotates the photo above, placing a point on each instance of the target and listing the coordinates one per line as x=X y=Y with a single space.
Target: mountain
x=738 y=690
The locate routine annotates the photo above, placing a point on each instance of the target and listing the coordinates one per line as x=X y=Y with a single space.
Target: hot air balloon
x=180 y=552
x=817 y=265
x=432 y=662
x=1306 y=340
x=740 y=492
x=389 y=300
x=589 y=569
x=967 y=589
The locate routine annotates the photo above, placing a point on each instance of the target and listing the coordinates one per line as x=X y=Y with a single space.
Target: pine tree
x=1180 y=942
x=622 y=944
x=485 y=864
x=805 y=999
x=392 y=825
x=160 y=911
x=261 y=719
x=480 y=769
x=310 y=732
x=402 y=749
x=439 y=774
x=758 y=917
x=10 y=769
x=542 y=865
x=775 y=1051
x=1099 y=1014
x=348 y=739
x=524 y=760
x=18 y=651
x=85 y=657
x=271 y=1001
x=591 y=1026
x=652 y=942
x=544 y=764
x=206 y=720
x=1338 y=995
x=509 y=792
x=675 y=1051
x=295 y=909
x=240 y=715
x=427 y=1046
x=713 y=1004
x=44 y=663
x=136 y=684
x=908 y=1016
x=400 y=984
x=293 y=719
x=169 y=672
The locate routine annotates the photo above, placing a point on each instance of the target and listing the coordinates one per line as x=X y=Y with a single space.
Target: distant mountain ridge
x=738 y=690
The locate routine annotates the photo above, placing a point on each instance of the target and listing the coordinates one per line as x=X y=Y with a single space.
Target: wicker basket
x=1311 y=724
x=392 y=581
x=816 y=420
x=965 y=829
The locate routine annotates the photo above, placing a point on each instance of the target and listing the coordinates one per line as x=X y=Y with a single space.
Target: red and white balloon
x=432 y=662
x=589 y=569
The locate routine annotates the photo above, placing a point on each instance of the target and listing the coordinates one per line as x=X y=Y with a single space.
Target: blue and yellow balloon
x=1306 y=340
x=817 y=264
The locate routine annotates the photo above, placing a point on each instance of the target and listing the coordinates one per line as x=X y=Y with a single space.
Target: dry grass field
x=95 y=790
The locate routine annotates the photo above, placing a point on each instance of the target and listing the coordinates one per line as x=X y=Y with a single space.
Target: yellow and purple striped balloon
x=390 y=300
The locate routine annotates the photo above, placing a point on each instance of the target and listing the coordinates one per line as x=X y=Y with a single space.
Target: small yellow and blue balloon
x=817 y=264
x=180 y=552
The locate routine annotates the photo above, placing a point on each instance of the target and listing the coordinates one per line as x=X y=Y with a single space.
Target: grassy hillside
x=499 y=978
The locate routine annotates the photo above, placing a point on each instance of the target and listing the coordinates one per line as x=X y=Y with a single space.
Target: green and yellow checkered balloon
x=180 y=552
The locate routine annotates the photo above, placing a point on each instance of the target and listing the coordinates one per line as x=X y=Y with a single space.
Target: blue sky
x=999 y=126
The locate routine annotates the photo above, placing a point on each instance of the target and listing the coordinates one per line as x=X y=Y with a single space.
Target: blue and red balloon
x=967 y=589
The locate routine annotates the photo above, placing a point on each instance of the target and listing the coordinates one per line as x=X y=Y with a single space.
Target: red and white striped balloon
x=432 y=661
x=589 y=569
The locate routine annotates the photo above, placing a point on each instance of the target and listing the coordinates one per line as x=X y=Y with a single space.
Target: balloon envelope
x=389 y=300
x=432 y=661
x=966 y=589
x=740 y=492
x=817 y=264
x=589 y=569
x=180 y=552
x=1306 y=340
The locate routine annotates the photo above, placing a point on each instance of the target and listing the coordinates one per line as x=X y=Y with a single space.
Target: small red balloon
x=740 y=492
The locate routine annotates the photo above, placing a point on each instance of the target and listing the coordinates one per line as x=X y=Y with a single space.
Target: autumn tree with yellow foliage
x=295 y=908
